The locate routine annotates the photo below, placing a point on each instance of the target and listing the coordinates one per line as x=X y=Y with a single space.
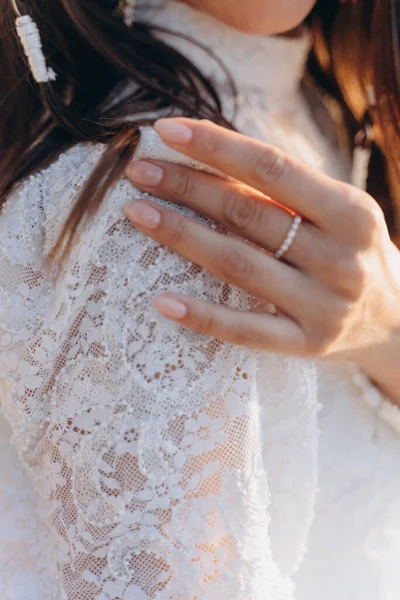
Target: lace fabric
x=142 y=438
x=26 y=564
x=354 y=542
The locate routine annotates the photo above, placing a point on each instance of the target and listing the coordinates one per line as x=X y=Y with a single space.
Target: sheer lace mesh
x=142 y=438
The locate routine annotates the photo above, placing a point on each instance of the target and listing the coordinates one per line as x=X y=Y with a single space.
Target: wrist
x=381 y=363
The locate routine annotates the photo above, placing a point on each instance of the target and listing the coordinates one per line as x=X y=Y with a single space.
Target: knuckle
x=325 y=334
x=206 y=325
x=251 y=338
x=179 y=232
x=270 y=164
x=321 y=344
x=181 y=184
x=367 y=217
x=318 y=348
x=239 y=211
x=354 y=279
x=210 y=142
x=348 y=272
x=235 y=266
x=368 y=223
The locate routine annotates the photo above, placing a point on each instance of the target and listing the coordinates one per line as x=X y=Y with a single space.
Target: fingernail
x=173 y=132
x=145 y=173
x=143 y=214
x=169 y=307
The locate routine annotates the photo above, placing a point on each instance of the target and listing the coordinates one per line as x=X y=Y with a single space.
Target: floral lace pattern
x=142 y=438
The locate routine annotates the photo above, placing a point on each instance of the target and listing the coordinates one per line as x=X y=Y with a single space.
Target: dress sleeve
x=167 y=497
x=143 y=438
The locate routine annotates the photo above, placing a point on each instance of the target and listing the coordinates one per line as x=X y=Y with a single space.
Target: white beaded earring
x=29 y=36
x=129 y=12
x=126 y=8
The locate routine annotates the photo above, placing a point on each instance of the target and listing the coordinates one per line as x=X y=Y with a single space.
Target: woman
x=167 y=464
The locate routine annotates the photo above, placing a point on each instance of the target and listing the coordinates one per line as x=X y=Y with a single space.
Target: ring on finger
x=289 y=239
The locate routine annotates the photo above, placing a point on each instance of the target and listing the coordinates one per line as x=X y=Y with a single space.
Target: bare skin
x=338 y=290
x=257 y=16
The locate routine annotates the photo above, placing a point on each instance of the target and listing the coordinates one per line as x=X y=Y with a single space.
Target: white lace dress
x=151 y=463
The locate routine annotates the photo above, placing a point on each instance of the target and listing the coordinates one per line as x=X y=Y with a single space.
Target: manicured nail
x=145 y=173
x=169 y=307
x=143 y=214
x=173 y=132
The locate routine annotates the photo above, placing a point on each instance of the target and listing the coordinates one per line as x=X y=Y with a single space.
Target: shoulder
x=26 y=216
x=65 y=181
x=110 y=258
x=42 y=203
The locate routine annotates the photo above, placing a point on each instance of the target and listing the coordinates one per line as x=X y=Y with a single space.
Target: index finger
x=263 y=167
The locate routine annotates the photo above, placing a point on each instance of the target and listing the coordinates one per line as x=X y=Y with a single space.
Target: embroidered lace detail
x=142 y=438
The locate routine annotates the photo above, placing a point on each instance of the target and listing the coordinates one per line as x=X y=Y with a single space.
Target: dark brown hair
x=357 y=44
x=93 y=53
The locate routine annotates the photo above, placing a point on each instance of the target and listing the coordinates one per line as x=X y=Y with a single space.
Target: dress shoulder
x=139 y=435
x=149 y=444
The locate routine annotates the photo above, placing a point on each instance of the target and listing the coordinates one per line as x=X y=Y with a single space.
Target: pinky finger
x=263 y=332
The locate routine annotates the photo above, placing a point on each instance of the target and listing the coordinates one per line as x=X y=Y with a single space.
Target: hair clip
x=129 y=12
x=29 y=37
x=122 y=8
x=126 y=8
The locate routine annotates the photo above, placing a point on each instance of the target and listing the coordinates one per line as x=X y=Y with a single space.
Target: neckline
x=273 y=65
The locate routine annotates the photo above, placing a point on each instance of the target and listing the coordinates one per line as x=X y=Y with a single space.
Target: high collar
x=269 y=64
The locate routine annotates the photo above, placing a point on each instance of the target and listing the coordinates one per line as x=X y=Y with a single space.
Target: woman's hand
x=338 y=289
